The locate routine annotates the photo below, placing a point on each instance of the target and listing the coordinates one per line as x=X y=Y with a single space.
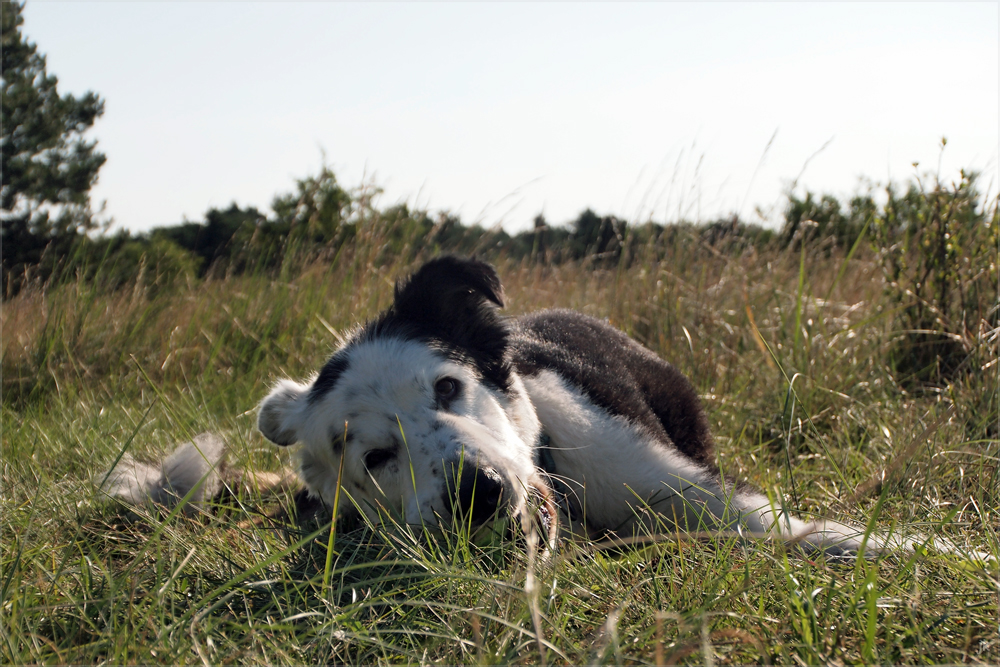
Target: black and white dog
x=441 y=410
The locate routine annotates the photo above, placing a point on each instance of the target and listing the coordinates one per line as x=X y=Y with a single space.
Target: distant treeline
x=321 y=218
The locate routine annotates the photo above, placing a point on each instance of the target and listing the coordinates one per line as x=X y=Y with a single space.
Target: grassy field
x=787 y=349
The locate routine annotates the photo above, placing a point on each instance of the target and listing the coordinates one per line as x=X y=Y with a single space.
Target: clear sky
x=500 y=111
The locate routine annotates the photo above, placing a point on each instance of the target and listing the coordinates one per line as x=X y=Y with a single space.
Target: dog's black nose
x=479 y=493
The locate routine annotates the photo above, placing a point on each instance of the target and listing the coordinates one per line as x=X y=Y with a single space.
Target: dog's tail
x=195 y=470
x=837 y=539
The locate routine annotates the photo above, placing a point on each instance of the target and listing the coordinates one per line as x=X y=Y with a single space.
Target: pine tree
x=48 y=167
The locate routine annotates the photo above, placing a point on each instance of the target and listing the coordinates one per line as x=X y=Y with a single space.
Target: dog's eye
x=376 y=458
x=446 y=388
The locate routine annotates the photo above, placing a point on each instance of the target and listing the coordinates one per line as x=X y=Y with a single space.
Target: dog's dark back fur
x=617 y=374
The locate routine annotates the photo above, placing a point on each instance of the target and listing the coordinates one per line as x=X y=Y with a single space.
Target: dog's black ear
x=455 y=300
x=446 y=282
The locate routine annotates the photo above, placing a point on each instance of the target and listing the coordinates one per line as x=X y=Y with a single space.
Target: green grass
x=788 y=352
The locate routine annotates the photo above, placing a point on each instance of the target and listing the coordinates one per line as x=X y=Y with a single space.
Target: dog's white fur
x=192 y=471
x=386 y=397
x=376 y=423
x=630 y=481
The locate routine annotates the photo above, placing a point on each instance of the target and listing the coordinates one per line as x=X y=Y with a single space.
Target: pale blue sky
x=499 y=111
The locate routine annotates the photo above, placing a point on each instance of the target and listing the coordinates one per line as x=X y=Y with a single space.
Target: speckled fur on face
x=385 y=402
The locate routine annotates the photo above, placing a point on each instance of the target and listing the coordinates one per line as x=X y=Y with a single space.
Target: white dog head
x=421 y=407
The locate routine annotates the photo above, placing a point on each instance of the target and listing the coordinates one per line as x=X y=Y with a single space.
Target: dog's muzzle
x=480 y=494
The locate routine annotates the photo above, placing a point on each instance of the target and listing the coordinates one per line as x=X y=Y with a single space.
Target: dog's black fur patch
x=617 y=374
x=328 y=376
x=449 y=303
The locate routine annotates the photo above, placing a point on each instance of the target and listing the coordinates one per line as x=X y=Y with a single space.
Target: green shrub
x=937 y=245
x=823 y=219
x=117 y=262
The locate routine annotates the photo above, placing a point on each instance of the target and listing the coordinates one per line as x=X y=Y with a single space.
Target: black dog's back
x=616 y=373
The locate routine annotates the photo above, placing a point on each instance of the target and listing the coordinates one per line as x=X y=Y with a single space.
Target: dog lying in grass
x=441 y=410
